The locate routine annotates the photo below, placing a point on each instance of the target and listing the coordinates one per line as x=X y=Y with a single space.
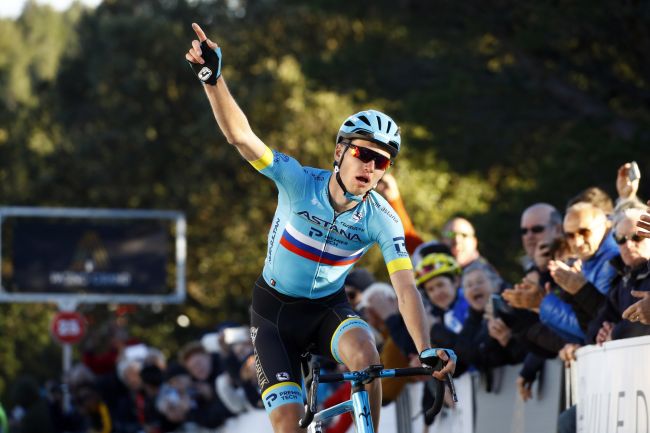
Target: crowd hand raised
x=640 y=310
x=525 y=388
x=527 y=295
x=644 y=223
x=499 y=331
x=570 y=278
x=604 y=333
x=568 y=353
x=625 y=187
x=388 y=188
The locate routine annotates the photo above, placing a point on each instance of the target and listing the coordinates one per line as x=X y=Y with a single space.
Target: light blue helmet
x=374 y=126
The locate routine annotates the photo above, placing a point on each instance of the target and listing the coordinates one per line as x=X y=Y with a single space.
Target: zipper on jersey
x=329 y=230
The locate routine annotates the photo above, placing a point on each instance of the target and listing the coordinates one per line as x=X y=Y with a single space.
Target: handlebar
x=368 y=375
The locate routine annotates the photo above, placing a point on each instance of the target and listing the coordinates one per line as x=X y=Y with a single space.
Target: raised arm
x=231 y=119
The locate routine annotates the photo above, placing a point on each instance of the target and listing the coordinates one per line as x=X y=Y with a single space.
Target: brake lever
x=452 y=388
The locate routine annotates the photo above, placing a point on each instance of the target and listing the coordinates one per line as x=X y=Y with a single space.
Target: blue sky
x=12 y=8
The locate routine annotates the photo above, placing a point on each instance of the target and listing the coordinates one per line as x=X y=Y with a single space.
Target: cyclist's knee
x=285 y=418
x=358 y=352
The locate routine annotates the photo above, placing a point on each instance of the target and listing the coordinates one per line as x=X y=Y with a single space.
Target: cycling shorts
x=283 y=328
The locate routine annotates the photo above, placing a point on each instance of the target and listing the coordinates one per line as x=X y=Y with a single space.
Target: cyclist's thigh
x=277 y=360
x=339 y=319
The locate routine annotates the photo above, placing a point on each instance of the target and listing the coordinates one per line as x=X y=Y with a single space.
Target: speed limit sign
x=68 y=327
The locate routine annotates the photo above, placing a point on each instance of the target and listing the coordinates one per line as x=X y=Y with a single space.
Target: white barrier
x=503 y=411
x=611 y=384
x=614 y=387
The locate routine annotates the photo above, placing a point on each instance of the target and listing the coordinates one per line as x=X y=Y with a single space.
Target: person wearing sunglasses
x=585 y=282
x=324 y=223
x=539 y=222
x=618 y=317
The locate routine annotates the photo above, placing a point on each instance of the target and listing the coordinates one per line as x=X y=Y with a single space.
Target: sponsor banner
x=614 y=386
x=81 y=256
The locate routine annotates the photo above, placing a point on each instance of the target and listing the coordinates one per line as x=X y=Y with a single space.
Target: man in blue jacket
x=633 y=270
x=589 y=278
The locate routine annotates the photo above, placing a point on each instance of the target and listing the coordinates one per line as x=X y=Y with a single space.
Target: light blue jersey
x=310 y=247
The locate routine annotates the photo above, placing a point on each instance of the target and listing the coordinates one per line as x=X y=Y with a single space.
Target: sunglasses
x=623 y=239
x=582 y=232
x=537 y=229
x=366 y=155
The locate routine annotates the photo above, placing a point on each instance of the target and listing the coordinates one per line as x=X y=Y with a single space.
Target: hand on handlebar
x=445 y=358
x=431 y=358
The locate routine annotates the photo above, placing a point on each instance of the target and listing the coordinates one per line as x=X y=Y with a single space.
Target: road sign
x=68 y=327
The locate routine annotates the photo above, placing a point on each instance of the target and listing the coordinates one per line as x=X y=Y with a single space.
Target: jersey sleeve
x=388 y=232
x=413 y=239
x=284 y=170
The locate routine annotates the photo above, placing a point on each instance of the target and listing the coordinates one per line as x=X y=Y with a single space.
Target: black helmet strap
x=337 y=173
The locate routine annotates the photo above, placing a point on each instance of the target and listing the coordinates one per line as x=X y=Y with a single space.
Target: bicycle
x=358 y=403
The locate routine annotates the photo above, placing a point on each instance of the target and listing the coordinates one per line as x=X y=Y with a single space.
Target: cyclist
x=325 y=221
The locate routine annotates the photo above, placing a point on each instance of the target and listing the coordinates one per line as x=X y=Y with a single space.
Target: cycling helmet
x=372 y=125
x=434 y=265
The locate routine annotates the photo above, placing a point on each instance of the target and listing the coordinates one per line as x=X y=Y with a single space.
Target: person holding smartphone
x=627 y=185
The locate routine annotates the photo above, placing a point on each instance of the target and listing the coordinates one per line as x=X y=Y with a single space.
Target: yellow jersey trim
x=264 y=161
x=399 y=265
x=278 y=385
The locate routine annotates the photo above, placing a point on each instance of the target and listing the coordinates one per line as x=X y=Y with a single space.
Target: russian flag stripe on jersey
x=315 y=254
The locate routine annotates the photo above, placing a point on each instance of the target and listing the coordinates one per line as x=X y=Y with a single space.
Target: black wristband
x=209 y=71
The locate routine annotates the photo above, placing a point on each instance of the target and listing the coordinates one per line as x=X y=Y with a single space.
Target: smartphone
x=500 y=307
x=634 y=173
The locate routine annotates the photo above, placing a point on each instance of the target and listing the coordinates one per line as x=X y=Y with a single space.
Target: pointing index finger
x=199 y=32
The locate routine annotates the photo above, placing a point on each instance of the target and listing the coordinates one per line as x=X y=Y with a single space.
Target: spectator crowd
x=585 y=279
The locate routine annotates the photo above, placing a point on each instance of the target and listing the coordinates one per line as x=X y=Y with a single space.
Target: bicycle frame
x=359 y=403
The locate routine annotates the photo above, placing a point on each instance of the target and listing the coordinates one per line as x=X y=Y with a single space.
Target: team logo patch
x=205 y=73
x=282 y=376
x=357 y=216
x=271 y=398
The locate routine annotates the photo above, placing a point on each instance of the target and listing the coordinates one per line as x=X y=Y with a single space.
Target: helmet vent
x=379 y=121
x=389 y=125
x=364 y=119
x=349 y=123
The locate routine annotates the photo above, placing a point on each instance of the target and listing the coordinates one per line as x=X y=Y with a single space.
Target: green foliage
x=501 y=104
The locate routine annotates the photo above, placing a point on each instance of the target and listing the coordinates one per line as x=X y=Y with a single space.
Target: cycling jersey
x=311 y=248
